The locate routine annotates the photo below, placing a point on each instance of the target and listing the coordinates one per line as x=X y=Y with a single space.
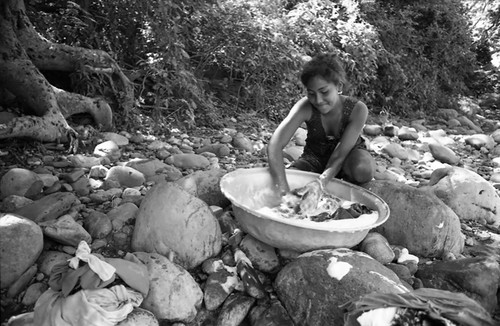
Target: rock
x=82 y=161
x=188 y=161
x=14 y=202
x=101 y=196
x=20 y=182
x=496 y=136
x=168 y=173
x=139 y=317
x=98 y=172
x=206 y=186
x=377 y=247
x=402 y=271
x=477 y=277
x=447 y=113
x=241 y=141
x=419 y=220
x=116 y=138
x=122 y=215
x=234 y=310
x=443 y=154
x=49 y=207
x=66 y=231
x=125 y=176
x=33 y=292
x=212 y=265
x=173 y=293
x=440 y=136
x=372 y=130
x=108 y=149
x=395 y=150
x=273 y=314
x=183 y=225
x=98 y=225
x=21 y=242
x=418 y=125
x=391 y=130
x=248 y=275
x=453 y=123
x=81 y=187
x=148 y=167
x=48 y=179
x=262 y=255
x=468 y=194
x=467 y=122
x=218 y=287
x=221 y=150
x=407 y=133
x=157 y=145
x=480 y=140
x=313 y=286
x=22 y=282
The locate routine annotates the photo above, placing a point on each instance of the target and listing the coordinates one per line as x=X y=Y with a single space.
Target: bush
x=195 y=61
x=429 y=59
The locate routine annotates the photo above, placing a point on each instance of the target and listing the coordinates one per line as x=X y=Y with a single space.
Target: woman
x=334 y=146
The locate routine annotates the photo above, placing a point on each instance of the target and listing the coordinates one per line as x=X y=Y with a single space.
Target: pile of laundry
x=92 y=290
x=313 y=202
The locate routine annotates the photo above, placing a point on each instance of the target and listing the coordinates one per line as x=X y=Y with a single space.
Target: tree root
x=23 y=52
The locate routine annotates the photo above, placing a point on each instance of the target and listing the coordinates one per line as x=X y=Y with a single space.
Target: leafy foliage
x=429 y=53
x=193 y=61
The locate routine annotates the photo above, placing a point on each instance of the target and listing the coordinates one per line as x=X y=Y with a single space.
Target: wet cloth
x=94 y=272
x=424 y=303
x=104 y=270
x=68 y=280
x=72 y=276
x=319 y=147
x=97 y=307
x=132 y=271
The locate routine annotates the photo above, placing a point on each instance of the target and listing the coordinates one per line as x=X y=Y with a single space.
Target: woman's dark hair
x=327 y=66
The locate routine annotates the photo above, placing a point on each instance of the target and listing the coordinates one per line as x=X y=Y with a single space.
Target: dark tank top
x=319 y=146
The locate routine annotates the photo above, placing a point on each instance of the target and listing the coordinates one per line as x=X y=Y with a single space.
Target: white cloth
x=96 y=307
x=104 y=270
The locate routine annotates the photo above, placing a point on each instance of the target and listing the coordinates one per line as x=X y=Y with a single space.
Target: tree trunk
x=23 y=52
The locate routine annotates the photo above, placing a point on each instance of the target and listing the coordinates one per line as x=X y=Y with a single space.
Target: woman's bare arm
x=299 y=113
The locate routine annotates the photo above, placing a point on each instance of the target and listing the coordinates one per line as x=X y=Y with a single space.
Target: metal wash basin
x=250 y=189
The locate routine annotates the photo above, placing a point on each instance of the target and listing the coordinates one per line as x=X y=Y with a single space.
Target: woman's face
x=323 y=94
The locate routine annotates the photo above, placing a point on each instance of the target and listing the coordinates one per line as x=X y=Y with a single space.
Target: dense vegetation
x=195 y=61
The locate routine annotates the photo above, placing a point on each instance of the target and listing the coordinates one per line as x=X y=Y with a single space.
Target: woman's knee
x=362 y=173
x=360 y=168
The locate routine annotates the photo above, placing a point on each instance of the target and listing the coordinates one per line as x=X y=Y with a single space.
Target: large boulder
x=21 y=242
x=206 y=186
x=174 y=223
x=173 y=293
x=313 y=286
x=419 y=220
x=468 y=194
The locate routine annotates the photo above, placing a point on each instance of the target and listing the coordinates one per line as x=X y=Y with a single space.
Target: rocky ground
x=253 y=133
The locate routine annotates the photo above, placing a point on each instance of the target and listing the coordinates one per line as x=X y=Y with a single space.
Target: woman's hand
x=325 y=177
